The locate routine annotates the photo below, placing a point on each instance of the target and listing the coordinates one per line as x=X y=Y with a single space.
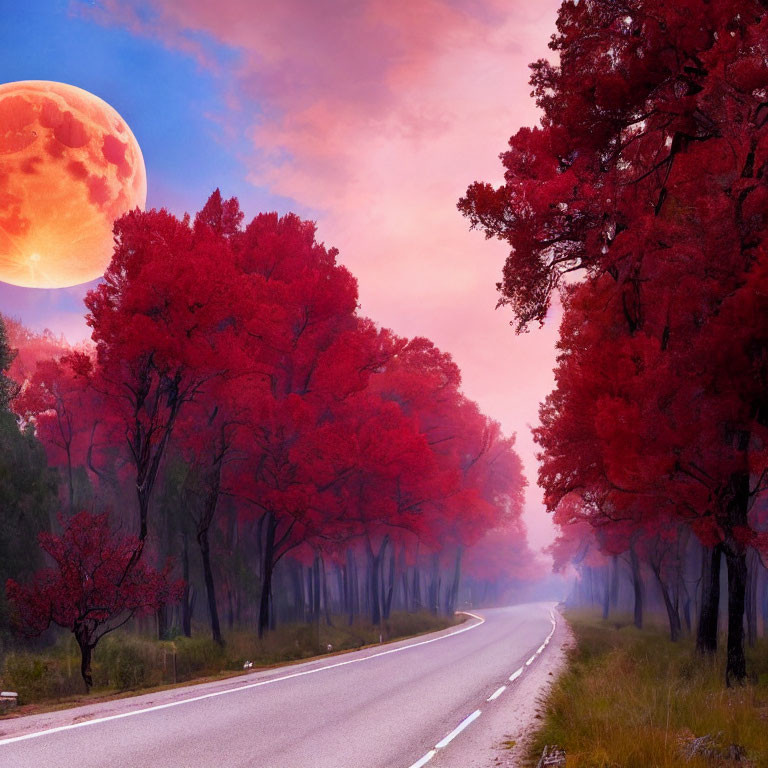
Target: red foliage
x=163 y=320
x=647 y=176
x=94 y=587
x=69 y=415
x=240 y=347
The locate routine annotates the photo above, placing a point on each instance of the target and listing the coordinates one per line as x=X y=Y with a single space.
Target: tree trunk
x=341 y=583
x=86 y=653
x=706 y=633
x=374 y=591
x=607 y=593
x=267 y=569
x=751 y=597
x=161 y=616
x=682 y=589
x=416 y=589
x=434 y=585
x=736 y=664
x=230 y=607
x=326 y=600
x=374 y=561
x=736 y=559
x=390 y=585
x=306 y=579
x=615 y=582
x=186 y=603
x=202 y=538
x=316 y=589
x=297 y=581
x=351 y=585
x=453 y=590
x=672 y=615
x=406 y=591
x=637 y=585
x=765 y=604
x=687 y=613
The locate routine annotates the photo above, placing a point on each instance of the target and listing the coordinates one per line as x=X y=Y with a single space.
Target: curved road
x=394 y=706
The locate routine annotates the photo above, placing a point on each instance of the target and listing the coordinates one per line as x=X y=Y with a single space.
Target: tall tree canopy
x=235 y=396
x=642 y=196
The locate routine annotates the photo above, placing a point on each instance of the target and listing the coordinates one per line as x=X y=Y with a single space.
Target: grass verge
x=631 y=699
x=126 y=664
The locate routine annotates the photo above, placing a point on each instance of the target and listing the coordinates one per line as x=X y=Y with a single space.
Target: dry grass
x=125 y=662
x=630 y=698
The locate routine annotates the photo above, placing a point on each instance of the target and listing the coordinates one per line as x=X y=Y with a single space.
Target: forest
x=637 y=213
x=238 y=447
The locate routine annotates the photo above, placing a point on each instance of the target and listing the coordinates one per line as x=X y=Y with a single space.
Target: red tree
x=307 y=351
x=69 y=415
x=94 y=587
x=163 y=321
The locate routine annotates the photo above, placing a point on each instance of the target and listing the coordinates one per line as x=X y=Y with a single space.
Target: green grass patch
x=125 y=661
x=632 y=699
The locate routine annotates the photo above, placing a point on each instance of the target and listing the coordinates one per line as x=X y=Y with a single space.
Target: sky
x=370 y=117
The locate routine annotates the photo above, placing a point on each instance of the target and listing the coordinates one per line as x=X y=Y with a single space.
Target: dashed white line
x=497 y=693
x=424 y=760
x=453 y=734
x=468 y=720
x=156 y=707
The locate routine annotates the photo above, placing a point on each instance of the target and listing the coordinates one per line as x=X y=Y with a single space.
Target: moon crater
x=69 y=166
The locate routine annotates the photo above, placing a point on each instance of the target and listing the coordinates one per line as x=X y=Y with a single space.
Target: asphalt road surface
x=394 y=706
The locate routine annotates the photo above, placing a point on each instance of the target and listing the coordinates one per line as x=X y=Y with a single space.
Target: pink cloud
x=377 y=114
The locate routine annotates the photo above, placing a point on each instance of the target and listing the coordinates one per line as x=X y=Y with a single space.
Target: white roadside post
x=8 y=700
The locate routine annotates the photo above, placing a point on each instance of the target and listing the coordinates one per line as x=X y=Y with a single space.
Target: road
x=394 y=706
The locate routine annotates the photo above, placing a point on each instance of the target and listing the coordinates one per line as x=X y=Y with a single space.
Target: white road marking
x=458 y=729
x=156 y=707
x=515 y=675
x=424 y=760
x=471 y=718
x=497 y=693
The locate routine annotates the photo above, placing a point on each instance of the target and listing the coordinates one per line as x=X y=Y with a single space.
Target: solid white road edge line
x=530 y=661
x=246 y=687
x=497 y=693
x=515 y=675
x=458 y=729
x=424 y=760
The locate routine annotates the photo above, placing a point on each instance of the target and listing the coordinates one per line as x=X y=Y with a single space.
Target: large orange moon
x=69 y=166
